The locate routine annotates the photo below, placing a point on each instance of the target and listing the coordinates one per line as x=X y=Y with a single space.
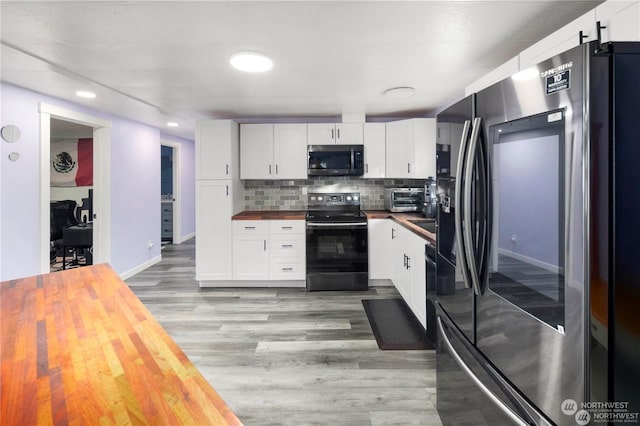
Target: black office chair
x=67 y=237
x=62 y=215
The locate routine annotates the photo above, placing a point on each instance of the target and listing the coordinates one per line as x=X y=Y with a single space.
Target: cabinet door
x=423 y=161
x=418 y=271
x=214 y=149
x=349 y=134
x=214 y=209
x=563 y=39
x=622 y=19
x=321 y=133
x=250 y=257
x=374 y=150
x=256 y=151
x=380 y=265
x=399 y=149
x=290 y=151
x=402 y=276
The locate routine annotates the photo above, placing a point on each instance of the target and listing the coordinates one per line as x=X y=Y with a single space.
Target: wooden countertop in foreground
x=78 y=347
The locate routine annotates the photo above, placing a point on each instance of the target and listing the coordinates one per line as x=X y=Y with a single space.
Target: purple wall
x=135 y=187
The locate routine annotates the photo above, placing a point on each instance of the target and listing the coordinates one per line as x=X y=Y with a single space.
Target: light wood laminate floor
x=286 y=356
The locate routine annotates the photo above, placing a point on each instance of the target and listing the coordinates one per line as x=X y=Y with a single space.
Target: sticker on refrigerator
x=558 y=82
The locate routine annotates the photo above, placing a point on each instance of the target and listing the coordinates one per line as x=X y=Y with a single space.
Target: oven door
x=337 y=257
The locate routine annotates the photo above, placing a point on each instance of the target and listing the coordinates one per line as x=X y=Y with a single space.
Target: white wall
x=135 y=187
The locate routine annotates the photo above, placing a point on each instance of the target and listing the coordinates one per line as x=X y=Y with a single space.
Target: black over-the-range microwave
x=335 y=160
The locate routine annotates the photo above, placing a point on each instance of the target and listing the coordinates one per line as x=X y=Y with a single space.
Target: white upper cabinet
x=256 y=151
x=374 y=150
x=621 y=19
x=505 y=70
x=411 y=148
x=290 y=151
x=217 y=153
x=273 y=151
x=338 y=133
x=562 y=40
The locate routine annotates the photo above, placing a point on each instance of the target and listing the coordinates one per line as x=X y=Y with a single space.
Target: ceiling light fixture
x=85 y=94
x=172 y=124
x=251 y=62
x=400 y=92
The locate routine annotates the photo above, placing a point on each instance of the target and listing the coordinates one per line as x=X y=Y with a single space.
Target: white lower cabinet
x=379 y=235
x=269 y=250
x=410 y=270
x=250 y=251
x=214 y=208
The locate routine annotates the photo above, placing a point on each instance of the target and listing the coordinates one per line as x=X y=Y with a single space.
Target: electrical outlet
x=304 y=190
x=150 y=244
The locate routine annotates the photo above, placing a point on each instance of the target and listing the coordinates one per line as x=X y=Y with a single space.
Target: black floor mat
x=394 y=325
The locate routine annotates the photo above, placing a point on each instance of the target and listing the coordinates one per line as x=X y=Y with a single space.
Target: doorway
x=101 y=189
x=71 y=195
x=170 y=197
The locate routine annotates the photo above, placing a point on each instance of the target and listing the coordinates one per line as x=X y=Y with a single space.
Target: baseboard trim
x=185 y=238
x=252 y=284
x=141 y=267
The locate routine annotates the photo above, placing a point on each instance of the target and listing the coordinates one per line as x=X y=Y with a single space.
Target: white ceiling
x=159 y=61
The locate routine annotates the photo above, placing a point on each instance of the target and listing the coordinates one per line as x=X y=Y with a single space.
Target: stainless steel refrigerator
x=538 y=265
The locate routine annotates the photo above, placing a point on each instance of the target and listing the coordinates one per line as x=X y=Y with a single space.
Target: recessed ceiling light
x=85 y=94
x=251 y=62
x=526 y=74
x=400 y=92
x=172 y=124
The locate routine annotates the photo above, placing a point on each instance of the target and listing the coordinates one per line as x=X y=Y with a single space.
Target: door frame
x=101 y=180
x=177 y=190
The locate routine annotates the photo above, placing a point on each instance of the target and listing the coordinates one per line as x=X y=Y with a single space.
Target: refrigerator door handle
x=501 y=405
x=459 y=208
x=468 y=225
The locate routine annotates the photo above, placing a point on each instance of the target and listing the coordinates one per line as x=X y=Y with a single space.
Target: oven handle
x=335 y=224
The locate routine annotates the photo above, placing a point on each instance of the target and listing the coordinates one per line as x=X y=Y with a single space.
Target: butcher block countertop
x=404 y=220
x=78 y=347
x=270 y=215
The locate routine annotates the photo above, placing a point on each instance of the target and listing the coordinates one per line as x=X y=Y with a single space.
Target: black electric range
x=337 y=242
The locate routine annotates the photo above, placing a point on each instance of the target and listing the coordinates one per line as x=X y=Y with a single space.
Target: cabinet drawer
x=287 y=245
x=286 y=227
x=286 y=268
x=250 y=227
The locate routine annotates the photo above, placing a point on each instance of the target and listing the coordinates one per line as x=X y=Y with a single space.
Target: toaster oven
x=403 y=199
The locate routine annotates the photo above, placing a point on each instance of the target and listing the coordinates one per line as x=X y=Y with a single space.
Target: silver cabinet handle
x=393 y=233
x=459 y=207
x=338 y=133
x=405 y=261
x=227 y=190
x=269 y=168
x=287 y=245
x=286 y=227
x=408 y=167
x=249 y=227
x=227 y=169
x=504 y=408
x=276 y=169
x=265 y=245
x=287 y=269
x=332 y=134
x=408 y=262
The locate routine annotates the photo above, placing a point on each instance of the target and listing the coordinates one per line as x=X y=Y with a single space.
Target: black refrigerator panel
x=470 y=391
x=530 y=303
x=625 y=359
